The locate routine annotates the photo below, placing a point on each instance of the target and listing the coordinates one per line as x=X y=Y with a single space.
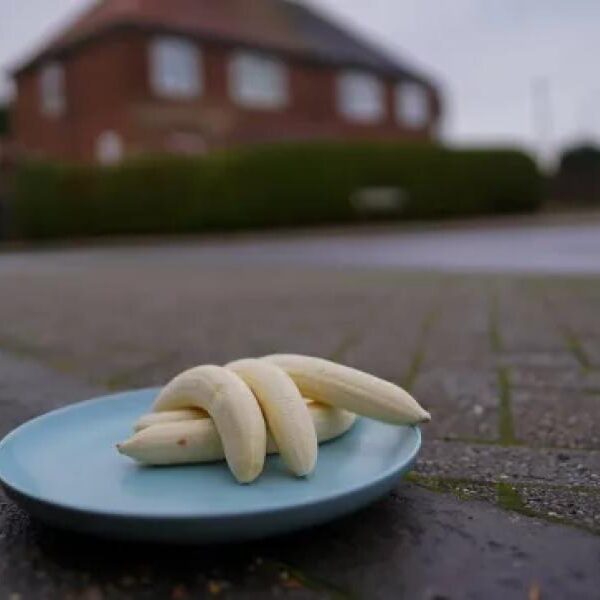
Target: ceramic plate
x=63 y=468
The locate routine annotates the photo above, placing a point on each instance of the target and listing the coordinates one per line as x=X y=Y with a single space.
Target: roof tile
x=276 y=24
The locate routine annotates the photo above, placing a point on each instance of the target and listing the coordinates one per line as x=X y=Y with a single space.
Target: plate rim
x=253 y=512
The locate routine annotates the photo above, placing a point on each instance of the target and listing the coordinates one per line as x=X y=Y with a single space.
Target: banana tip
x=426 y=417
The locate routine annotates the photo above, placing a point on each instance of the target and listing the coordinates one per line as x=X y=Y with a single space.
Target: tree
x=4 y=120
x=582 y=159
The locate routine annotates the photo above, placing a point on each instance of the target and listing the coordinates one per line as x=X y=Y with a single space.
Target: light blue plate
x=63 y=468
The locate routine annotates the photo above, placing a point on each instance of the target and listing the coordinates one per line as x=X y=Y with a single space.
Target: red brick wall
x=35 y=134
x=108 y=88
x=103 y=81
x=100 y=84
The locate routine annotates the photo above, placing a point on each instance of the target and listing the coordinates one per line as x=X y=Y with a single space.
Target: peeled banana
x=169 y=416
x=234 y=410
x=190 y=439
x=350 y=389
x=283 y=403
x=286 y=413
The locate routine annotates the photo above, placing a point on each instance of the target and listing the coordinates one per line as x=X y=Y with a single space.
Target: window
x=412 y=105
x=109 y=148
x=175 y=68
x=258 y=81
x=52 y=90
x=360 y=96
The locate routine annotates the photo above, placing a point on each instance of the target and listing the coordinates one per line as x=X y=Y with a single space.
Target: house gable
x=205 y=96
x=279 y=26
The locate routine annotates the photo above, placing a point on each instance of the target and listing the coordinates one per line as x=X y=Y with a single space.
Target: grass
x=506 y=434
x=346 y=344
x=572 y=341
x=494 y=323
x=508 y=496
x=410 y=377
x=414 y=368
x=576 y=347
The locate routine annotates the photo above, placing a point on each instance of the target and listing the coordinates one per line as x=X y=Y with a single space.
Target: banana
x=350 y=389
x=236 y=414
x=209 y=413
x=185 y=414
x=198 y=441
x=287 y=416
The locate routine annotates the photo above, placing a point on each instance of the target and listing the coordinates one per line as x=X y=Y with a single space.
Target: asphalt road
x=553 y=249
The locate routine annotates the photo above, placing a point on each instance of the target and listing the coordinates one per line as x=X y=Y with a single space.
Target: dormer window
x=175 y=68
x=360 y=97
x=258 y=81
x=412 y=105
x=53 y=101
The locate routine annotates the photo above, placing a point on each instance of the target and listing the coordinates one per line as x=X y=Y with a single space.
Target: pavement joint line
x=429 y=320
x=576 y=347
x=347 y=342
x=21 y=350
x=496 y=342
x=410 y=377
x=506 y=433
x=515 y=444
x=508 y=496
x=17 y=349
x=415 y=477
x=120 y=379
x=414 y=368
x=571 y=339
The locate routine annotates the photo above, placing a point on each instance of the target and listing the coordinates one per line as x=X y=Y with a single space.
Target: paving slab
x=555 y=419
x=567 y=380
x=464 y=403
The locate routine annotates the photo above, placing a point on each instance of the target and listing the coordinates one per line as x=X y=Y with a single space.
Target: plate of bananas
x=255 y=448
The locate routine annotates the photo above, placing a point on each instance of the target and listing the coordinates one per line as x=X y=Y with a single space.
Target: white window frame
x=109 y=148
x=258 y=81
x=176 y=68
x=361 y=96
x=53 y=100
x=412 y=105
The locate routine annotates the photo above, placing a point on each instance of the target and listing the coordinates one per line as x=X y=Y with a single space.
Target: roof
x=279 y=25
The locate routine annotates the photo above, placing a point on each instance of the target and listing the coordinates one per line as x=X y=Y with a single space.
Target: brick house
x=184 y=76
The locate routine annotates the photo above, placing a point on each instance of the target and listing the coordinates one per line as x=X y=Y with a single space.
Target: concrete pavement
x=504 y=501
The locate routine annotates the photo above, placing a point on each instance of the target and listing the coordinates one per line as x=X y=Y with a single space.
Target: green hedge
x=270 y=186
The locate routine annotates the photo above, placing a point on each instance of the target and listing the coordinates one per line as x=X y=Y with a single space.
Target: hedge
x=270 y=186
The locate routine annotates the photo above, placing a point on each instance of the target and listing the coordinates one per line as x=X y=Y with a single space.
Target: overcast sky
x=488 y=55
